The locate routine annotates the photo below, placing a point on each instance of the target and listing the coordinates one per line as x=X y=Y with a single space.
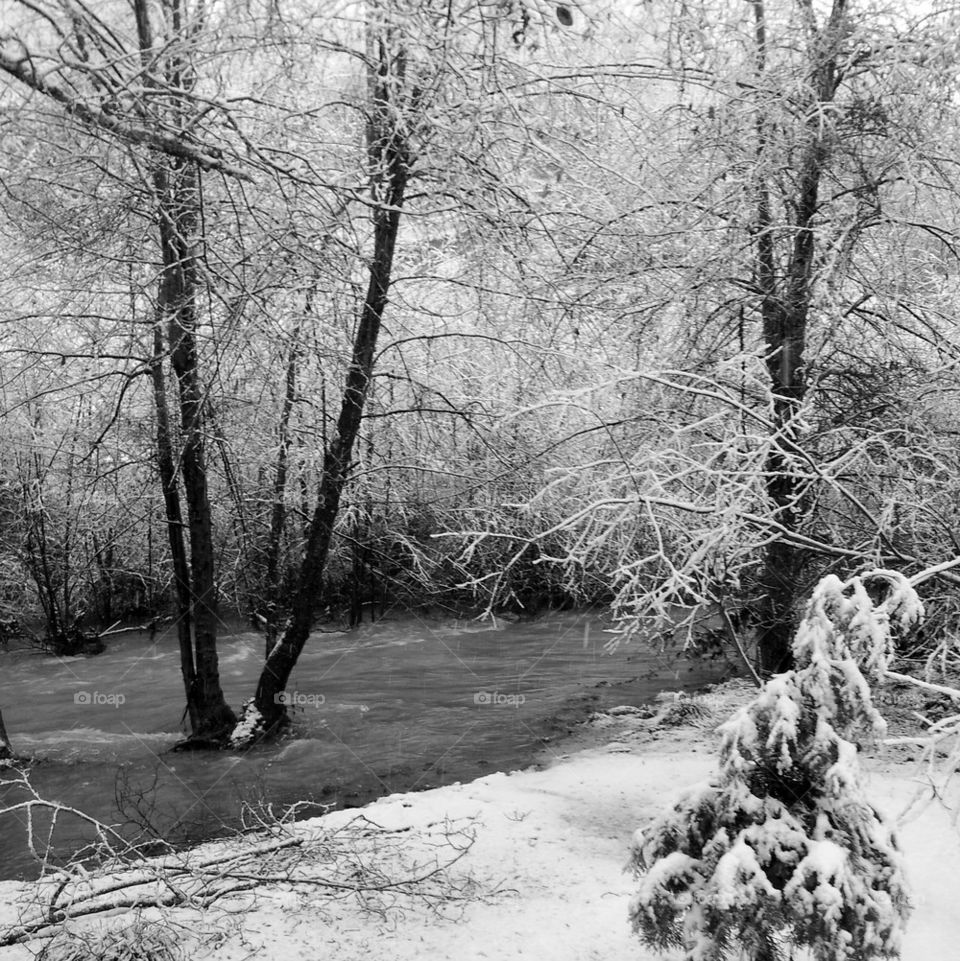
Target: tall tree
x=394 y=106
x=785 y=278
x=274 y=544
x=177 y=185
x=730 y=459
x=160 y=110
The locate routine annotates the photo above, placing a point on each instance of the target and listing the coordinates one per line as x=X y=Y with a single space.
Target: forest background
x=471 y=306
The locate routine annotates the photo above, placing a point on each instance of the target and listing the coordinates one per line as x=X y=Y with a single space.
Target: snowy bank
x=526 y=865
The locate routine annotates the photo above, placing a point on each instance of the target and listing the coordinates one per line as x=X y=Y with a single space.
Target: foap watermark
x=98 y=699
x=299 y=699
x=497 y=699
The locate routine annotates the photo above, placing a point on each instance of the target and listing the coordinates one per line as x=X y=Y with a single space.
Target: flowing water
x=396 y=705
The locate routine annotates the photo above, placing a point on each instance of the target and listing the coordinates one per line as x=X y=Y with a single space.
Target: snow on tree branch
x=783 y=848
x=205 y=156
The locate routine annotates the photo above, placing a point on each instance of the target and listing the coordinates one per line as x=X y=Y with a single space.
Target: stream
x=393 y=706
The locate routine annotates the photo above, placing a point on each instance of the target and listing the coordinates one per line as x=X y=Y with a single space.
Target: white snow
x=675 y=864
x=548 y=866
x=251 y=720
x=824 y=863
x=739 y=878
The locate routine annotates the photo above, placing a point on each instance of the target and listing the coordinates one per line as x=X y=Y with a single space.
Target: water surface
x=396 y=705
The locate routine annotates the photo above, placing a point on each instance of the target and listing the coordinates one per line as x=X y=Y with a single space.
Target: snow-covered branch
x=208 y=157
x=783 y=848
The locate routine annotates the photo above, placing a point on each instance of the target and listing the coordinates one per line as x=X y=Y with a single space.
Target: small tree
x=783 y=848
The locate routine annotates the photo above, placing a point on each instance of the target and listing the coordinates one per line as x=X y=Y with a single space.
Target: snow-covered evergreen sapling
x=782 y=849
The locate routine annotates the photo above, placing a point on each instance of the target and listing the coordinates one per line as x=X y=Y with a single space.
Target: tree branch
x=206 y=157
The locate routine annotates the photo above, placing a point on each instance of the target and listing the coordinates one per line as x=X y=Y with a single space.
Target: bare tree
x=721 y=457
x=394 y=106
x=178 y=195
x=163 y=117
x=614 y=326
x=785 y=279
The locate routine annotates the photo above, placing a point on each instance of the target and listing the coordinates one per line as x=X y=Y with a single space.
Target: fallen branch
x=356 y=853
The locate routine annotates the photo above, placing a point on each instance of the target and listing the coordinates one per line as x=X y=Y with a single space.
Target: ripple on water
x=75 y=744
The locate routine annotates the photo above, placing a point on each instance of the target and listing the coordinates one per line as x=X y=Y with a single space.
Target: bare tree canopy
x=317 y=315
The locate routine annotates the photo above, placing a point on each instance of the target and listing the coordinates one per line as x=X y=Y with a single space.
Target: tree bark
x=175 y=526
x=784 y=308
x=177 y=185
x=6 y=751
x=278 y=508
x=389 y=161
x=178 y=230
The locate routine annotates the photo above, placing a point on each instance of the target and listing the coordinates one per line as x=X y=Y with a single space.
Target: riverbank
x=525 y=865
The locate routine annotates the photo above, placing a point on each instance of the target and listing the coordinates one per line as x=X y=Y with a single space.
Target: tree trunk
x=178 y=232
x=389 y=160
x=784 y=307
x=278 y=509
x=6 y=751
x=177 y=185
x=174 y=517
x=243 y=592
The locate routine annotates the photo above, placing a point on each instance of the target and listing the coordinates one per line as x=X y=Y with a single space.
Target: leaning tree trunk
x=389 y=161
x=785 y=306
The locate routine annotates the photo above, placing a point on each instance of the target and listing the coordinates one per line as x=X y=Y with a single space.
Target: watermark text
x=497 y=699
x=299 y=699
x=98 y=699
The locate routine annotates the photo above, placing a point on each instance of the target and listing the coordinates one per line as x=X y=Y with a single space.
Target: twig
x=732 y=634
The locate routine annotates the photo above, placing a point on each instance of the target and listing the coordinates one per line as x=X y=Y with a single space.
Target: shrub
x=783 y=849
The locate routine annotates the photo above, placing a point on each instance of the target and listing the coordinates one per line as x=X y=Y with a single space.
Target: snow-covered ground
x=543 y=877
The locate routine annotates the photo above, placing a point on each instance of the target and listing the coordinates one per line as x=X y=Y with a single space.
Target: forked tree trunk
x=178 y=230
x=178 y=196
